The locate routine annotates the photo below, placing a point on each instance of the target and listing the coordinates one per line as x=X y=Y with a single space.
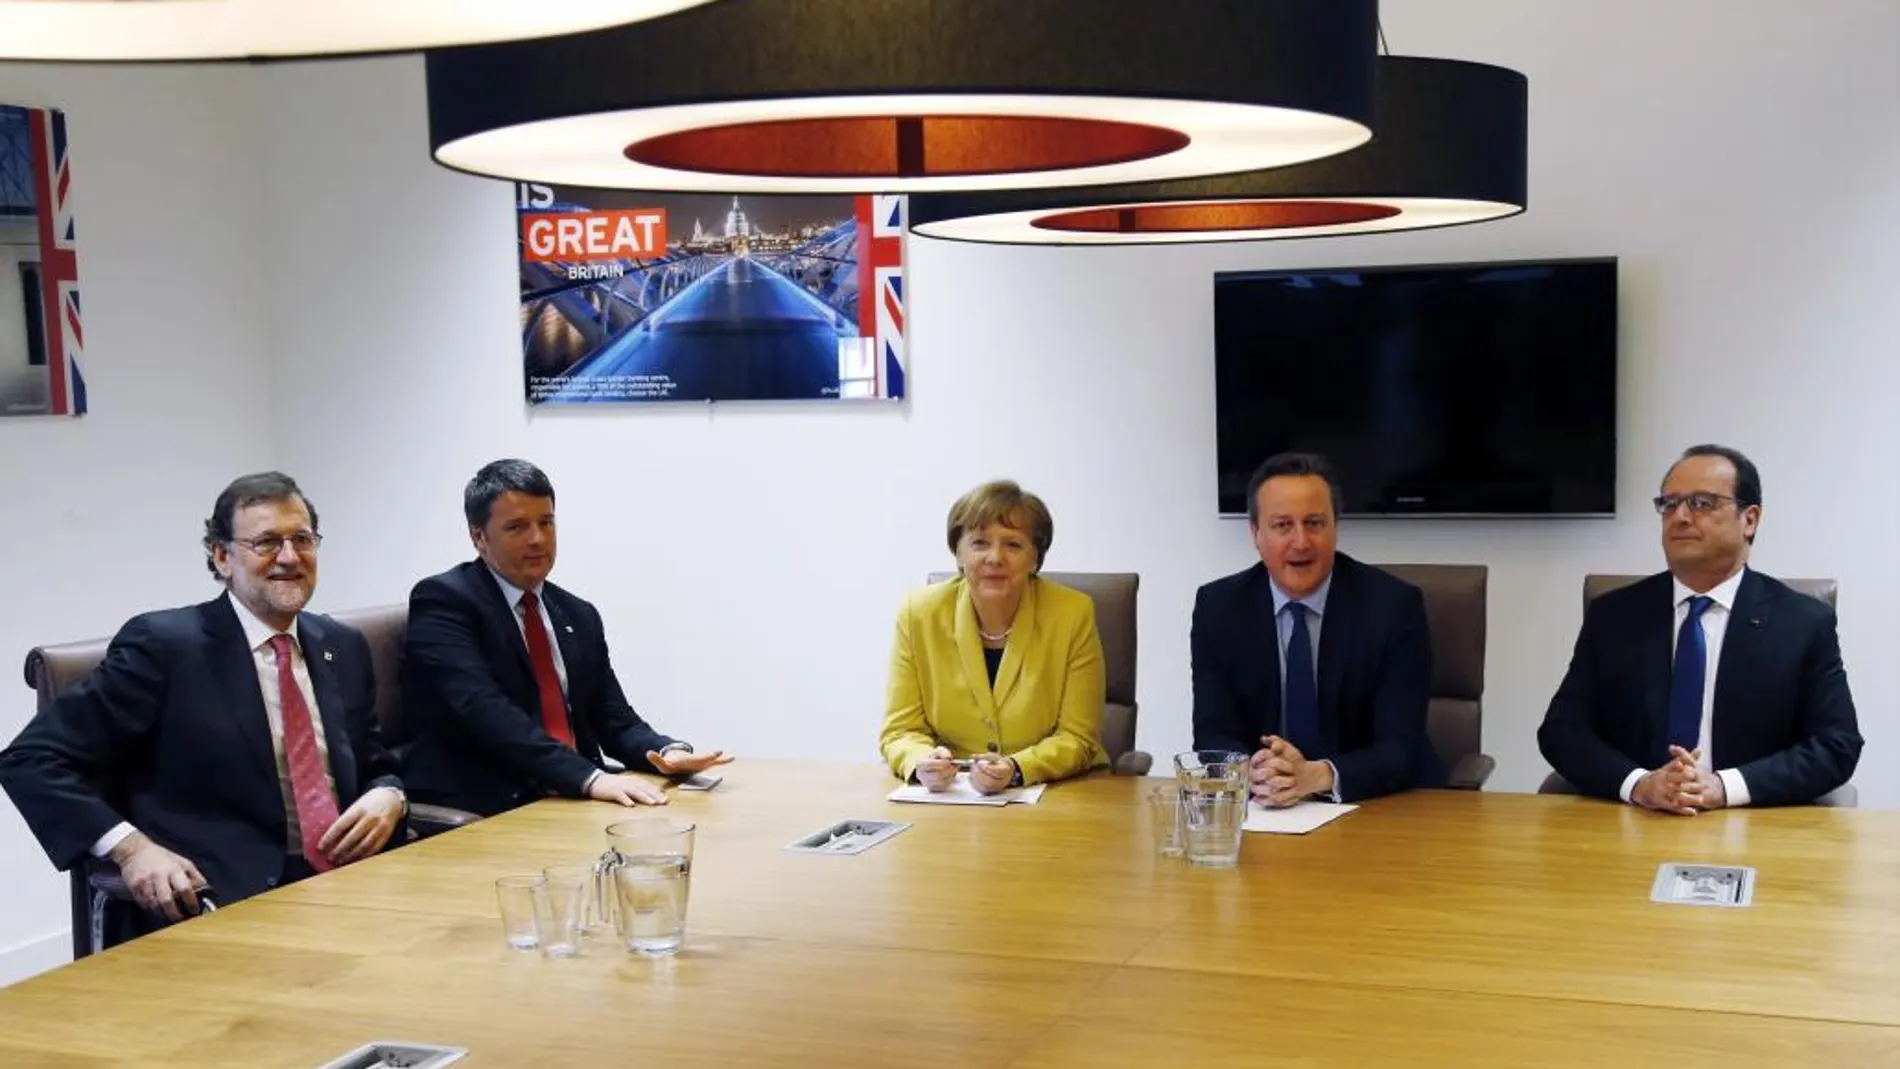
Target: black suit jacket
x=1783 y=716
x=470 y=695
x=169 y=733
x=1375 y=672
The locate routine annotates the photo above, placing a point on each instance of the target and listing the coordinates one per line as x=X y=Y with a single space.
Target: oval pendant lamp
x=129 y=31
x=1449 y=148
x=893 y=96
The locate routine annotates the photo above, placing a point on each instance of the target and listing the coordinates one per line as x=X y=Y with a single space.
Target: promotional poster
x=629 y=296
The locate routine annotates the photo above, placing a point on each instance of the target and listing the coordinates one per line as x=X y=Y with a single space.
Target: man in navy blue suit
x=232 y=742
x=1318 y=665
x=507 y=678
x=1710 y=684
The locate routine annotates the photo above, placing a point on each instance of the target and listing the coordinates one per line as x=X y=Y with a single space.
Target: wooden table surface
x=1436 y=928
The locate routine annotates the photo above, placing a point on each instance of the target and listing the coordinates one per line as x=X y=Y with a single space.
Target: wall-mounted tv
x=1454 y=390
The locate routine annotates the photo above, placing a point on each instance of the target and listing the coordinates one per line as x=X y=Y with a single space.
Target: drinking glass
x=1213 y=803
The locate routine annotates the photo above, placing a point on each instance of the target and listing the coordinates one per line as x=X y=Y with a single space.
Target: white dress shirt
x=1714 y=626
x=512 y=594
x=1283 y=630
x=257 y=637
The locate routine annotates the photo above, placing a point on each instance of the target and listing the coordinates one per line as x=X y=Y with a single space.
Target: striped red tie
x=309 y=781
x=546 y=679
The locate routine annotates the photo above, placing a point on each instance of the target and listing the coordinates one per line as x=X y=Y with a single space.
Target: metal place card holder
x=1682 y=884
x=390 y=1055
x=848 y=837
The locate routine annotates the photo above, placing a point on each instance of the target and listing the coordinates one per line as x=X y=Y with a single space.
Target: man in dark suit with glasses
x=1710 y=684
x=232 y=743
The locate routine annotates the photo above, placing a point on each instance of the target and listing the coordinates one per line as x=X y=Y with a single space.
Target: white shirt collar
x=1723 y=594
x=257 y=632
x=1315 y=602
x=510 y=591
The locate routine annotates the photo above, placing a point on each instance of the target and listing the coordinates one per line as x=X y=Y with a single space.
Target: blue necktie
x=1685 y=682
x=1302 y=694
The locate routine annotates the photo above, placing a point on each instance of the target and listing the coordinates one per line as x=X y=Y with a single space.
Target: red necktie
x=309 y=783
x=546 y=679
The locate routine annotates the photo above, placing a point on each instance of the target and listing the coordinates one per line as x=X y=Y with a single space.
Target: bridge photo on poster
x=629 y=296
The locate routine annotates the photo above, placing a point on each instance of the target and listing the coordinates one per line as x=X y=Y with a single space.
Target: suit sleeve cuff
x=112 y=838
x=1333 y=795
x=588 y=783
x=1735 y=786
x=1629 y=784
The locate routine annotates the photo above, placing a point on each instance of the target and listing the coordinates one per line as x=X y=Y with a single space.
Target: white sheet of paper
x=1296 y=819
x=1026 y=795
x=961 y=793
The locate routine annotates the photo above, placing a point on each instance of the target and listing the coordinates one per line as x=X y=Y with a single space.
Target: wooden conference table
x=1432 y=929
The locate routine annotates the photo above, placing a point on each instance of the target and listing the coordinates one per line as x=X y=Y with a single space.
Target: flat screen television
x=1455 y=390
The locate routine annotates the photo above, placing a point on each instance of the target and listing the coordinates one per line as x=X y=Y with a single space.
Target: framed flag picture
x=649 y=297
x=41 y=339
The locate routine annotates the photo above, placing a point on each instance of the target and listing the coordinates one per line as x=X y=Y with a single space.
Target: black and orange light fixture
x=897 y=96
x=135 y=31
x=1450 y=148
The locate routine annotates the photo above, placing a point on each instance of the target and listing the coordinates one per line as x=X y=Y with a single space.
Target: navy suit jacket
x=1783 y=716
x=1375 y=673
x=169 y=733
x=469 y=692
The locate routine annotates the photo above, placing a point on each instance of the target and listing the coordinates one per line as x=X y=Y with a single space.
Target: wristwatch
x=1016 y=780
x=682 y=747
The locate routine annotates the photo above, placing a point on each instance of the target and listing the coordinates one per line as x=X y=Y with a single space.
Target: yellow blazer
x=1046 y=709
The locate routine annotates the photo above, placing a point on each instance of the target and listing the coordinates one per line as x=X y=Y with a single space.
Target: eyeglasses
x=269 y=546
x=1700 y=502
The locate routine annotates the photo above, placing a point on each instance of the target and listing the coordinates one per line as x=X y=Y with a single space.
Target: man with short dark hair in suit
x=506 y=676
x=1318 y=665
x=1710 y=684
x=233 y=742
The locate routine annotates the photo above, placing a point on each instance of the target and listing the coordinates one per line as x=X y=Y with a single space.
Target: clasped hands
x=1680 y=786
x=989 y=773
x=1281 y=775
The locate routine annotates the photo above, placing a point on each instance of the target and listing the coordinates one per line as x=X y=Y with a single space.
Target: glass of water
x=1213 y=804
x=519 y=924
x=652 y=878
x=1170 y=830
x=561 y=909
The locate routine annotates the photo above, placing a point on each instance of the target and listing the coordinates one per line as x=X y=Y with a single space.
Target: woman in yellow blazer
x=996 y=664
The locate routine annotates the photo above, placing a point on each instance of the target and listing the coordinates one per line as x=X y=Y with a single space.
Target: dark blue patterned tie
x=1302 y=694
x=1685 y=682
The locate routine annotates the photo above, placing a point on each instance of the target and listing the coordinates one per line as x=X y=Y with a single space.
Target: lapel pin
x=569 y=628
x=1754 y=621
x=328 y=655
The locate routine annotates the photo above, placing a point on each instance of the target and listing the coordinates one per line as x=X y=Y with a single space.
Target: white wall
x=103 y=512
x=748 y=558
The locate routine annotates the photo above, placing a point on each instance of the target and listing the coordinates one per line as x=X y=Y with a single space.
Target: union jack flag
x=35 y=183
x=881 y=287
